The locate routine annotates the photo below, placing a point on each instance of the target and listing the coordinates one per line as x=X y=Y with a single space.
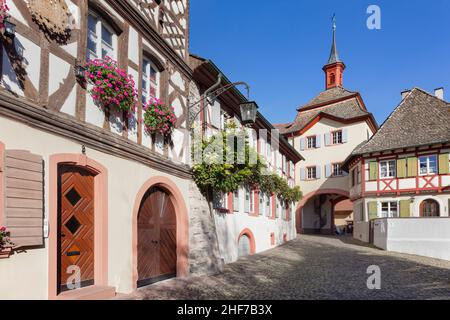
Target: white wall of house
x=324 y=155
x=25 y=274
x=230 y=225
x=421 y=236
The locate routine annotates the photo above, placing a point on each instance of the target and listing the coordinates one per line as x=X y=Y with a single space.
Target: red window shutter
x=24 y=191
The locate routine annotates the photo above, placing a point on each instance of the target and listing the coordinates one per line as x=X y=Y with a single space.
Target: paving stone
x=314 y=267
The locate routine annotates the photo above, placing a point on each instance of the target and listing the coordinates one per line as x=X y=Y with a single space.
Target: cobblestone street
x=314 y=267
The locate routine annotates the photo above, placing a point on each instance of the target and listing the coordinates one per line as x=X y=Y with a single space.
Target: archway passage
x=429 y=208
x=75 y=226
x=157 y=243
x=318 y=211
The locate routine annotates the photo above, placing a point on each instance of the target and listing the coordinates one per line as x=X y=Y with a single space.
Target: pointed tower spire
x=334 y=68
x=334 y=56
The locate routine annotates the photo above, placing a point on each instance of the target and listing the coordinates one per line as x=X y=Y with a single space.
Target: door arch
x=246 y=243
x=177 y=224
x=429 y=208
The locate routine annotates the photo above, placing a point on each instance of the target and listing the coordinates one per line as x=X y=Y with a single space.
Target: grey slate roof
x=420 y=119
x=347 y=108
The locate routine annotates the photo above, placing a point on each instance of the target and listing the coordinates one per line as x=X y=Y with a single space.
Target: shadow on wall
x=14 y=63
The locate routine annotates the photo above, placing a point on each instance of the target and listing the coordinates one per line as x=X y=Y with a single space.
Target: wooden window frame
x=387 y=161
x=307 y=173
x=428 y=173
x=146 y=76
x=333 y=175
x=307 y=147
x=102 y=22
x=332 y=133
x=389 y=213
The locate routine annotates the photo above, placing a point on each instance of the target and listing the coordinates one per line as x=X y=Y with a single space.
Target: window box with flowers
x=3 y=13
x=159 y=118
x=112 y=86
x=5 y=243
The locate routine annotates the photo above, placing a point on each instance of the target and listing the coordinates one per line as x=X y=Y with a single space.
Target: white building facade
x=247 y=220
x=325 y=132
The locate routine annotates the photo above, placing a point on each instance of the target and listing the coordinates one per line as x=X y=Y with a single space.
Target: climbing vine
x=228 y=162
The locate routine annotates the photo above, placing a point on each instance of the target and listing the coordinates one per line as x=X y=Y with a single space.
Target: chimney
x=439 y=93
x=405 y=93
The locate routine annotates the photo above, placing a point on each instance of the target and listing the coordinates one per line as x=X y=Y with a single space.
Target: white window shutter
x=302 y=144
x=344 y=135
x=318 y=141
x=327 y=139
x=216 y=114
x=318 y=172
x=328 y=170
x=302 y=174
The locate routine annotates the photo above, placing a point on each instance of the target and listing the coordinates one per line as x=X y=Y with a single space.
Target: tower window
x=332 y=78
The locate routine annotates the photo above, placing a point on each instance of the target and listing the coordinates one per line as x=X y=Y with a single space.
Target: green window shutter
x=373 y=170
x=401 y=168
x=372 y=209
x=405 y=208
x=412 y=167
x=443 y=164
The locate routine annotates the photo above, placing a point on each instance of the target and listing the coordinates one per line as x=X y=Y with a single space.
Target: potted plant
x=5 y=243
x=112 y=86
x=159 y=118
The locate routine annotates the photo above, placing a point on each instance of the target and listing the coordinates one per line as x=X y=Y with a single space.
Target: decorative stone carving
x=52 y=16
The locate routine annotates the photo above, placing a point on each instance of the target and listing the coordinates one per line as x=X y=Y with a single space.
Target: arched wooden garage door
x=157 y=258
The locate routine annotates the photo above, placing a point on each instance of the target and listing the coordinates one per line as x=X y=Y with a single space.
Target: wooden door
x=76 y=225
x=156 y=238
x=429 y=208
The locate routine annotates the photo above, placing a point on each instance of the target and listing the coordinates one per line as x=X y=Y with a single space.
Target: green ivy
x=216 y=175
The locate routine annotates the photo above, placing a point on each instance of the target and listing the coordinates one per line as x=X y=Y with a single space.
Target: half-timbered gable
x=148 y=39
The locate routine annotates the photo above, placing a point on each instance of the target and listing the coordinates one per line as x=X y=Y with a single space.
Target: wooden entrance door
x=76 y=226
x=157 y=247
x=429 y=208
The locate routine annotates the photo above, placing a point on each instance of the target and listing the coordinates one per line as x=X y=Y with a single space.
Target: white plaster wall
x=31 y=63
x=229 y=227
x=328 y=154
x=59 y=70
x=13 y=11
x=17 y=278
x=420 y=236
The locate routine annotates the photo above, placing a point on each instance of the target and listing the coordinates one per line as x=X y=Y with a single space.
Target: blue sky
x=279 y=47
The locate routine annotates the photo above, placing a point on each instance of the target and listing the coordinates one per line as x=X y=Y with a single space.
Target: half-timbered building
x=400 y=179
x=85 y=185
